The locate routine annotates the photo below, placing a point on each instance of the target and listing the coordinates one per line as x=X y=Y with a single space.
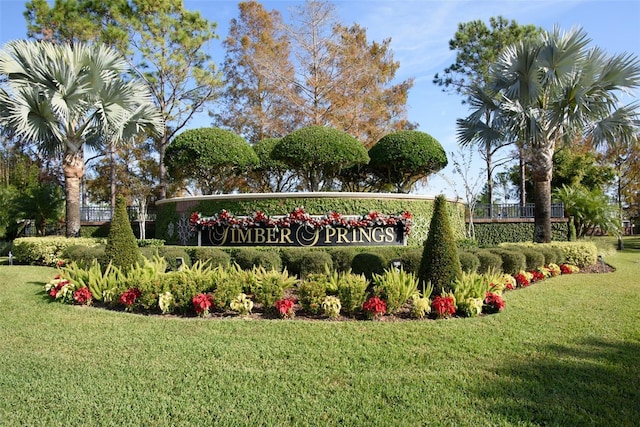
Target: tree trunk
x=112 y=177
x=542 y=173
x=523 y=184
x=73 y=168
x=161 y=146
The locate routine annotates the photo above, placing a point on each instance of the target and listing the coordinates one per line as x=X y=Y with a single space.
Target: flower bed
x=218 y=292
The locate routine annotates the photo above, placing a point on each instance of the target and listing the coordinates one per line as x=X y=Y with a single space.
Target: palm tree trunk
x=73 y=168
x=542 y=173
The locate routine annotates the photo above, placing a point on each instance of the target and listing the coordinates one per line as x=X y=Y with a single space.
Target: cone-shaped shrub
x=440 y=264
x=122 y=247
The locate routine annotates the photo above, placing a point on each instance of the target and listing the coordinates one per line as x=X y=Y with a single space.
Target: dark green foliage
x=571 y=235
x=210 y=256
x=315 y=262
x=244 y=257
x=492 y=234
x=342 y=259
x=469 y=261
x=534 y=258
x=291 y=259
x=171 y=253
x=513 y=260
x=183 y=288
x=312 y=291
x=95 y=230
x=318 y=153
x=247 y=258
x=122 y=246
x=411 y=259
x=368 y=263
x=5 y=248
x=440 y=264
x=84 y=255
x=227 y=290
x=151 y=290
x=488 y=261
x=209 y=156
x=549 y=253
x=402 y=158
x=150 y=242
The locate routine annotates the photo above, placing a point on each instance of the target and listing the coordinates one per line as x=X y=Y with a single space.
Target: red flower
x=374 y=307
x=536 y=275
x=285 y=307
x=82 y=296
x=521 y=280
x=202 y=303
x=565 y=269
x=60 y=263
x=53 y=292
x=493 y=302
x=129 y=297
x=443 y=306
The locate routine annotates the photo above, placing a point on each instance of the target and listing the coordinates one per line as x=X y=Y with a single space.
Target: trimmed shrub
x=513 y=260
x=122 y=246
x=580 y=253
x=247 y=258
x=45 y=250
x=469 y=261
x=368 y=264
x=440 y=264
x=143 y=243
x=210 y=256
x=84 y=255
x=488 y=261
x=315 y=262
x=411 y=259
x=171 y=253
x=550 y=254
x=291 y=259
x=534 y=258
x=342 y=259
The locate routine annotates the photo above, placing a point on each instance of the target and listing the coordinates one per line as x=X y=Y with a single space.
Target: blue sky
x=420 y=31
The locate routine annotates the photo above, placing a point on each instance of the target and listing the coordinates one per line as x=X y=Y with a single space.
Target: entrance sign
x=300 y=229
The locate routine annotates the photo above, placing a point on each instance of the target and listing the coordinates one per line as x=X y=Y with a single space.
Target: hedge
x=495 y=233
x=46 y=250
x=581 y=253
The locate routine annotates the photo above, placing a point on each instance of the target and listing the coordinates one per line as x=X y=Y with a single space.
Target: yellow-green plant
x=166 y=302
x=420 y=306
x=271 y=285
x=352 y=290
x=312 y=292
x=469 y=292
x=395 y=287
x=242 y=304
x=331 y=306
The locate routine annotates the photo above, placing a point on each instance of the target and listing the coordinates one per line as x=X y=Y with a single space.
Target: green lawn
x=565 y=352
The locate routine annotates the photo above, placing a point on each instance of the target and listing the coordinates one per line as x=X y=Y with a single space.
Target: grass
x=565 y=352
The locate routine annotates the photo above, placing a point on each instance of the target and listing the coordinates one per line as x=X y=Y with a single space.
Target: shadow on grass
x=592 y=383
x=632 y=242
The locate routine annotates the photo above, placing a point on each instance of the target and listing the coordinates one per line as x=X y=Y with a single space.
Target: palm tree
x=555 y=88
x=68 y=96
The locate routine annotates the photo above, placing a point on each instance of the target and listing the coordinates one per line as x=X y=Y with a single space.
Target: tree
x=166 y=41
x=258 y=76
x=440 y=264
x=404 y=157
x=477 y=47
x=122 y=247
x=589 y=209
x=270 y=175
x=212 y=157
x=317 y=72
x=555 y=88
x=317 y=154
x=54 y=98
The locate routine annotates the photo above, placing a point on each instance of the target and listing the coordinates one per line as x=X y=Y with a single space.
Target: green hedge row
x=494 y=233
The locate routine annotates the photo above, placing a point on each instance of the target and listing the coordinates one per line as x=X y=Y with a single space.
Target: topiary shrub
x=291 y=259
x=488 y=261
x=440 y=264
x=315 y=262
x=550 y=254
x=342 y=259
x=84 y=255
x=368 y=264
x=210 y=256
x=469 y=261
x=270 y=260
x=513 y=260
x=533 y=258
x=172 y=253
x=411 y=259
x=122 y=246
